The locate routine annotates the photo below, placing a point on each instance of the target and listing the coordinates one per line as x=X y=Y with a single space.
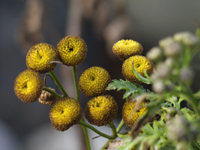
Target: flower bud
x=186 y=75
x=47 y=98
x=177 y=128
x=154 y=54
x=172 y=49
x=158 y=86
x=165 y=42
x=186 y=38
x=154 y=76
x=162 y=70
x=169 y=62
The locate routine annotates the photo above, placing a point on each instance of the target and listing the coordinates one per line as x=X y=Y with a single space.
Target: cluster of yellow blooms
x=129 y=52
x=71 y=50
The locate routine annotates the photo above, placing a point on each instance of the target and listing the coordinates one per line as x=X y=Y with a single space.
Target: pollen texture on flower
x=28 y=86
x=127 y=48
x=65 y=113
x=72 y=50
x=101 y=110
x=141 y=64
x=40 y=56
x=94 y=81
x=128 y=114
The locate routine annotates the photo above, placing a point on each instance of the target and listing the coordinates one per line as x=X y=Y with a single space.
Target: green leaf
x=132 y=89
x=141 y=78
x=147 y=129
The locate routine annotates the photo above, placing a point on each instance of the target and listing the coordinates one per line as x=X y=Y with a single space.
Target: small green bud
x=165 y=42
x=173 y=49
x=155 y=54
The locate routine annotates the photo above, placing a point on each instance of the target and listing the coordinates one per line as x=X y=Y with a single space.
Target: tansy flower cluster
x=129 y=52
x=66 y=111
x=42 y=58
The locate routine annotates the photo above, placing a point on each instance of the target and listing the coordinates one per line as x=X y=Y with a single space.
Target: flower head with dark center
x=72 y=50
x=128 y=114
x=28 y=86
x=65 y=113
x=101 y=110
x=141 y=64
x=40 y=56
x=94 y=81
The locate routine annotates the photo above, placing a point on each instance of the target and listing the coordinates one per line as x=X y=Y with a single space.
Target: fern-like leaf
x=132 y=89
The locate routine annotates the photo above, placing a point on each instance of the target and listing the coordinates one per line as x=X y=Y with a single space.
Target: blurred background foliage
x=100 y=23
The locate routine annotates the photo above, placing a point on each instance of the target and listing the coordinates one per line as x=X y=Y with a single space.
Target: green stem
x=114 y=133
x=121 y=124
x=105 y=145
x=75 y=82
x=57 y=82
x=85 y=132
x=96 y=131
x=52 y=92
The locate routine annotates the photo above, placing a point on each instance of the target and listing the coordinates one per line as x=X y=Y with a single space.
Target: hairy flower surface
x=101 y=110
x=72 y=50
x=94 y=81
x=128 y=114
x=65 y=113
x=141 y=64
x=28 y=86
x=40 y=56
x=127 y=48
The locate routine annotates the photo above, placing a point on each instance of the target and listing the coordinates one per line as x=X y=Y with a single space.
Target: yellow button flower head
x=28 y=86
x=140 y=64
x=127 y=48
x=101 y=110
x=94 y=81
x=128 y=114
x=65 y=113
x=40 y=56
x=72 y=50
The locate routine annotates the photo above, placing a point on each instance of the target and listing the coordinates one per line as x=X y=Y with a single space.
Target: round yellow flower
x=140 y=64
x=72 y=50
x=128 y=114
x=28 y=86
x=94 y=81
x=101 y=110
x=40 y=56
x=127 y=48
x=65 y=113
